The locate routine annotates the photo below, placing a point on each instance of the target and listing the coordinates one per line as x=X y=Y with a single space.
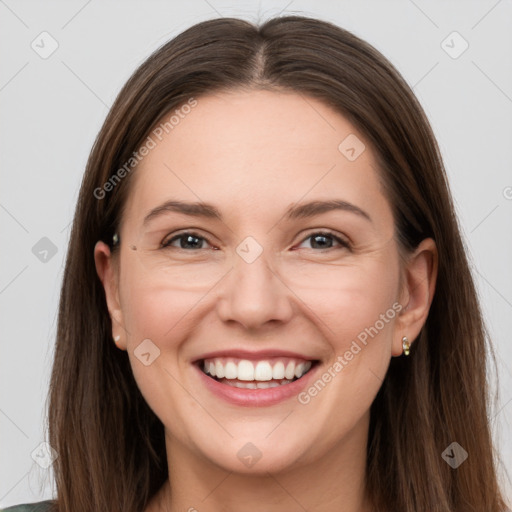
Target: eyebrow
x=298 y=211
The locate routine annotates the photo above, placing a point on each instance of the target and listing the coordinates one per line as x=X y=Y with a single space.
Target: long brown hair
x=111 y=445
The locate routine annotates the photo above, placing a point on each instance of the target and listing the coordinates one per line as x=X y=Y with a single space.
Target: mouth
x=262 y=374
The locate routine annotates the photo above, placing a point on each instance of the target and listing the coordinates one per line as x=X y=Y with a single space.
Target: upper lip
x=253 y=355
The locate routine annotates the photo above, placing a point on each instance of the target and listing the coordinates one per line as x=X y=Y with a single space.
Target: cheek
x=361 y=331
x=353 y=300
x=156 y=310
x=157 y=322
x=358 y=320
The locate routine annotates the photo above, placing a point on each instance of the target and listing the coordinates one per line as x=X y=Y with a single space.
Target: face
x=258 y=288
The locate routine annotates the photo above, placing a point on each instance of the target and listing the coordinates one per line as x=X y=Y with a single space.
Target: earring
x=115 y=239
x=116 y=340
x=406 y=345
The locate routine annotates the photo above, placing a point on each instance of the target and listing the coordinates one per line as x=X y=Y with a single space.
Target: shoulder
x=40 y=506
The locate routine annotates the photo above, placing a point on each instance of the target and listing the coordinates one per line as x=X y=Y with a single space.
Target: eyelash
x=343 y=243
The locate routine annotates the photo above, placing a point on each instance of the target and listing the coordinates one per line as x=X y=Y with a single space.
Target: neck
x=333 y=482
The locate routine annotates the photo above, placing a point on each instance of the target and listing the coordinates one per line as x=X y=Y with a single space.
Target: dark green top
x=40 y=506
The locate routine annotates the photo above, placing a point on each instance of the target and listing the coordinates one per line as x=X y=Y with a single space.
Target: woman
x=267 y=304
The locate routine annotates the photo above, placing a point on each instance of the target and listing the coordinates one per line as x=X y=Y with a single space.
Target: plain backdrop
x=52 y=107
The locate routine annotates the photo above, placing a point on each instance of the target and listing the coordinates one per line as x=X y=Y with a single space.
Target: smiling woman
x=276 y=300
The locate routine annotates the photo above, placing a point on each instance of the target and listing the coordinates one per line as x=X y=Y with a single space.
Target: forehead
x=253 y=151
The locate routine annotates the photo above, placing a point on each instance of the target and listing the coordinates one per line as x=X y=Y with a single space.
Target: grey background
x=53 y=108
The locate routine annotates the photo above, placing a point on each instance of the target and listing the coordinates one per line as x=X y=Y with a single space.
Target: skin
x=253 y=154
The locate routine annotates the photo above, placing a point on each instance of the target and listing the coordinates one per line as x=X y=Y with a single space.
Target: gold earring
x=406 y=345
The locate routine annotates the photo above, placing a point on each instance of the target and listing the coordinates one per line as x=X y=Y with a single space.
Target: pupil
x=188 y=239
x=322 y=237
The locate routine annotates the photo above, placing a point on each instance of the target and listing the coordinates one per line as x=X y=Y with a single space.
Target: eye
x=188 y=239
x=323 y=240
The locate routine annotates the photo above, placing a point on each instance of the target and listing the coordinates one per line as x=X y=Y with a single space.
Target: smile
x=256 y=382
x=243 y=373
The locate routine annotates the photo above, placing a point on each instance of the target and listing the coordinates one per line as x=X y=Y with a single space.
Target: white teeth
x=278 y=370
x=263 y=371
x=255 y=385
x=246 y=385
x=245 y=370
x=302 y=368
x=230 y=370
x=290 y=370
x=260 y=371
x=265 y=385
x=219 y=370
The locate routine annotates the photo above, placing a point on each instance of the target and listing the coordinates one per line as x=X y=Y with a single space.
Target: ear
x=419 y=284
x=107 y=269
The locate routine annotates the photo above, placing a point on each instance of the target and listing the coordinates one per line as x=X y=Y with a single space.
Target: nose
x=253 y=295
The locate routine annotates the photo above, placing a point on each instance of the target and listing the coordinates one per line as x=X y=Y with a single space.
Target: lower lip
x=257 y=397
